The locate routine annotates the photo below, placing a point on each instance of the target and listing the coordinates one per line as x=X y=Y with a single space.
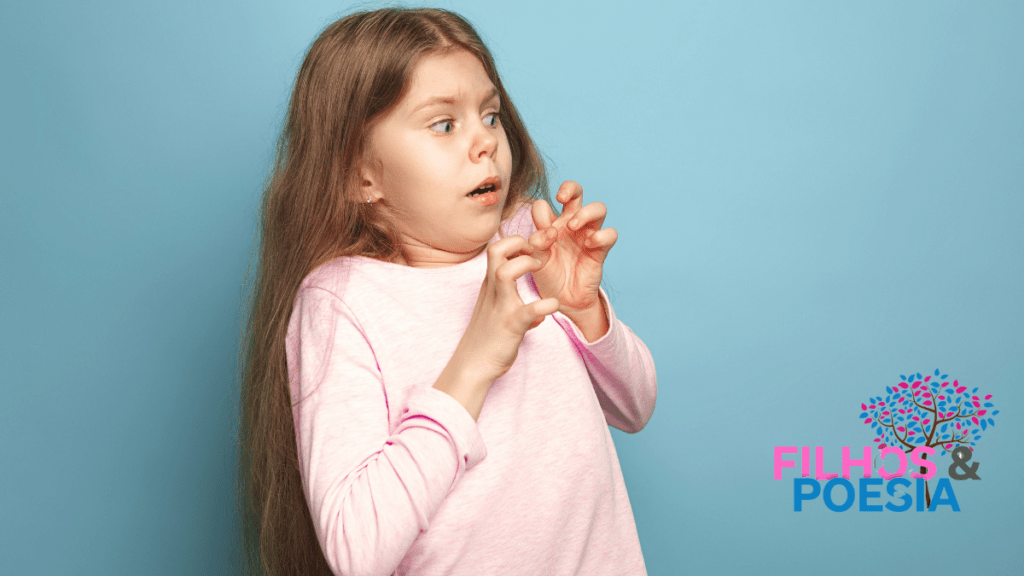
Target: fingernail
x=574 y=223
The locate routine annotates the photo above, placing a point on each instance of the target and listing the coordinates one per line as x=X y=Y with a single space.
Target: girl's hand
x=500 y=319
x=572 y=249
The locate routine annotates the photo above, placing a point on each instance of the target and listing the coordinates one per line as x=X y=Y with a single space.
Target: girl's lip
x=486 y=199
x=490 y=180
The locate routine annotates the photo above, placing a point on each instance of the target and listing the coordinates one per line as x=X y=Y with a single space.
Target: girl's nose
x=485 y=143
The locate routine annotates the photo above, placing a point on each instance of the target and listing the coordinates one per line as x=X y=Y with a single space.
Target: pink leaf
x=974 y=419
x=927 y=402
x=989 y=397
x=976 y=405
x=961 y=389
x=927 y=378
x=863 y=407
x=900 y=428
x=868 y=421
x=982 y=413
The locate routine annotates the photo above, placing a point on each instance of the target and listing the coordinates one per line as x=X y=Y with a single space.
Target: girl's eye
x=441 y=123
x=493 y=123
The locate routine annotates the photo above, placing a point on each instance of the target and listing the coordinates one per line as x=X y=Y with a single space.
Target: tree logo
x=928 y=412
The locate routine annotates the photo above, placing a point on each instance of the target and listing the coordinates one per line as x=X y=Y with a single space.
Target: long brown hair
x=355 y=72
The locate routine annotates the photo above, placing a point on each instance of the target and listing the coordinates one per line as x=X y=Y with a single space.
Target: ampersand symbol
x=961 y=455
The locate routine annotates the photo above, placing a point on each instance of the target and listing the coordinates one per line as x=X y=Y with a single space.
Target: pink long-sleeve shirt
x=398 y=476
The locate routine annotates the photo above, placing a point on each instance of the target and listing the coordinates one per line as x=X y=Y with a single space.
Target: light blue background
x=812 y=198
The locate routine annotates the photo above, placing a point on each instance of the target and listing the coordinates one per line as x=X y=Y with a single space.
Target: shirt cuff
x=609 y=342
x=452 y=420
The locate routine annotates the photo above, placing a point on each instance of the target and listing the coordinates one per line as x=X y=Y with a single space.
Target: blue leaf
x=984 y=424
x=944 y=436
x=902 y=377
x=918 y=375
x=944 y=376
x=950 y=391
x=873 y=424
x=977 y=437
x=988 y=404
x=991 y=422
x=995 y=412
x=863 y=415
x=943 y=453
x=972 y=443
x=975 y=431
x=936 y=371
x=975 y=391
x=944 y=426
x=888 y=390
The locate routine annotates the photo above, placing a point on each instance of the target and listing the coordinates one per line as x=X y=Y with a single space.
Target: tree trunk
x=927 y=492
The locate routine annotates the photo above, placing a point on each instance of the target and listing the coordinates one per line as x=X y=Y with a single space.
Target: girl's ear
x=368 y=188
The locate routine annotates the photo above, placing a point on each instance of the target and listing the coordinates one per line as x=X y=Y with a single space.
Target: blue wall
x=811 y=199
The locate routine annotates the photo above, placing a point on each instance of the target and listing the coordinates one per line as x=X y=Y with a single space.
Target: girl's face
x=441 y=142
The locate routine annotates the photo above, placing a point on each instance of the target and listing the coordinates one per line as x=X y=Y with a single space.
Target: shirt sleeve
x=621 y=368
x=619 y=363
x=370 y=491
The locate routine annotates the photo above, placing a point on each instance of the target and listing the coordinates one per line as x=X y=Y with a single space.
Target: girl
x=430 y=362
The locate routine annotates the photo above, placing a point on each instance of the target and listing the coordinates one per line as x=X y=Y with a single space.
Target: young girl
x=431 y=365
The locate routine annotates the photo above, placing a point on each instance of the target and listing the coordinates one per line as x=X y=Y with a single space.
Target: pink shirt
x=400 y=479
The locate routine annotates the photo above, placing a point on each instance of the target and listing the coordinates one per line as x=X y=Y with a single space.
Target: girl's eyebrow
x=450 y=100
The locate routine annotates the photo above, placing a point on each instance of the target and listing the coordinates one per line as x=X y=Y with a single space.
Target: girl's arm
x=619 y=363
x=370 y=491
x=621 y=368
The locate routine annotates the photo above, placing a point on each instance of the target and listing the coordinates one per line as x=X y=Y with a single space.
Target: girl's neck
x=430 y=257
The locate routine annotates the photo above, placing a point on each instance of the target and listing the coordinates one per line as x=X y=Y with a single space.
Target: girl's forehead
x=443 y=78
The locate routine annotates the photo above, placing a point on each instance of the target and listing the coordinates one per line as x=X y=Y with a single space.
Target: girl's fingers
x=601 y=241
x=541 y=240
x=570 y=194
x=605 y=237
x=534 y=312
x=507 y=274
x=591 y=214
x=501 y=251
x=543 y=216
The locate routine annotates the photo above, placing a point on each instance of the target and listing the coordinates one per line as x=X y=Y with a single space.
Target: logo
x=916 y=418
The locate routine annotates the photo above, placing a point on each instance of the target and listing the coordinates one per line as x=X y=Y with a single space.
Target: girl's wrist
x=592 y=321
x=466 y=382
